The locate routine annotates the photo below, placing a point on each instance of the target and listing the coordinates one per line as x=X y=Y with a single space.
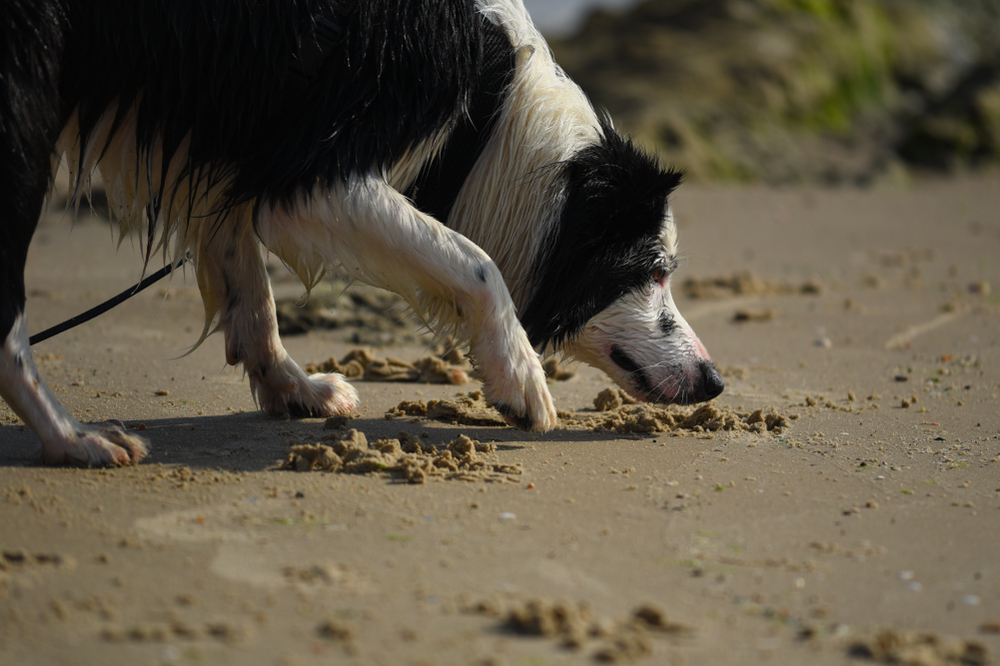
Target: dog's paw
x=287 y=390
x=96 y=445
x=325 y=395
x=522 y=396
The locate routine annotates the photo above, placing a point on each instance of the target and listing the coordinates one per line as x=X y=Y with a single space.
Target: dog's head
x=602 y=286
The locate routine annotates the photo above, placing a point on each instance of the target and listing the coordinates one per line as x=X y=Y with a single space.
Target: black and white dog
x=430 y=147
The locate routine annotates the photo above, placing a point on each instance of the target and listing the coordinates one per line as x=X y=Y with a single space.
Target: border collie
x=429 y=147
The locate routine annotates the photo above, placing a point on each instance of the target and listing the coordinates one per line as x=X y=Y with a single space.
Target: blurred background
x=792 y=91
x=559 y=18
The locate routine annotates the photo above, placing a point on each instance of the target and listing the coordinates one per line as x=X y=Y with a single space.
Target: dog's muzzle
x=705 y=384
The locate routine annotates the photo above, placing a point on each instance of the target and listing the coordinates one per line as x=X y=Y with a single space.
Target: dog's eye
x=663 y=270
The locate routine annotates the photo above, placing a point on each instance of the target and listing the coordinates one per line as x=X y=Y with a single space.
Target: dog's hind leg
x=64 y=439
x=377 y=235
x=29 y=106
x=235 y=287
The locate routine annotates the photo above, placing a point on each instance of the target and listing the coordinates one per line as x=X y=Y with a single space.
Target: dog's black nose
x=710 y=382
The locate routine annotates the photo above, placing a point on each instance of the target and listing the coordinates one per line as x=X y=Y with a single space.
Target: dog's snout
x=710 y=383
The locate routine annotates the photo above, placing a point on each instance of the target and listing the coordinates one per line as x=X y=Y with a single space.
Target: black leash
x=106 y=305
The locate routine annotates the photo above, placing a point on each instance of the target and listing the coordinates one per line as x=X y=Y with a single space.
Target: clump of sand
x=227 y=631
x=616 y=411
x=743 y=315
x=336 y=631
x=451 y=368
x=619 y=412
x=11 y=560
x=470 y=409
x=377 y=316
x=744 y=283
x=577 y=627
x=557 y=370
x=927 y=649
x=404 y=457
x=446 y=364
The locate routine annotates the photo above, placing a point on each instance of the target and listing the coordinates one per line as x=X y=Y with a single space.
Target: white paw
x=287 y=390
x=95 y=445
x=519 y=392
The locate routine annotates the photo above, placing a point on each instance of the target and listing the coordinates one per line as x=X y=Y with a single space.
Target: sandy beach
x=866 y=530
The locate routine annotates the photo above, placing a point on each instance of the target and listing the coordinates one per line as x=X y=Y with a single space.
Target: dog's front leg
x=237 y=293
x=379 y=237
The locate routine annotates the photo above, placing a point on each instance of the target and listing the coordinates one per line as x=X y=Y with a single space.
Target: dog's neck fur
x=511 y=199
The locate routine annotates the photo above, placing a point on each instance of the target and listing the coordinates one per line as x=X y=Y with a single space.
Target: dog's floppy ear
x=607 y=242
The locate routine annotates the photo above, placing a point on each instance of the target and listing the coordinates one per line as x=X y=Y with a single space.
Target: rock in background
x=786 y=91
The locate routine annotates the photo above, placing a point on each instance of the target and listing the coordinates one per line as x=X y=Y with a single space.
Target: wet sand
x=872 y=323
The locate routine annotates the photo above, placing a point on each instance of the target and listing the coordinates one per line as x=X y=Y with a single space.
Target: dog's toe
x=541 y=419
x=335 y=393
x=323 y=395
x=518 y=419
x=542 y=410
x=525 y=402
x=287 y=390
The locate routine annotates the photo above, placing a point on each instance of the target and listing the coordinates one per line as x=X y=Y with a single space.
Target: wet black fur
x=30 y=31
x=279 y=95
x=440 y=181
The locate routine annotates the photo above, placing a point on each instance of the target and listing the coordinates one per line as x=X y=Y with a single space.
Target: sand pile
x=616 y=411
x=373 y=315
x=619 y=412
x=405 y=457
x=444 y=365
x=470 y=409
x=745 y=283
x=926 y=649
x=450 y=368
x=577 y=627
x=12 y=560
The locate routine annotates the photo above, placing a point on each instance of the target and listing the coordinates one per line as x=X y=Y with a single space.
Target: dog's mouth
x=635 y=373
x=702 y=386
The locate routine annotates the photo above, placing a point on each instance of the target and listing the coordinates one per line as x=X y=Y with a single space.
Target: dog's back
x=274 y=95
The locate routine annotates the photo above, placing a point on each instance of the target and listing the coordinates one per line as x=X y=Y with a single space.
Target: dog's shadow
x=253 y=441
